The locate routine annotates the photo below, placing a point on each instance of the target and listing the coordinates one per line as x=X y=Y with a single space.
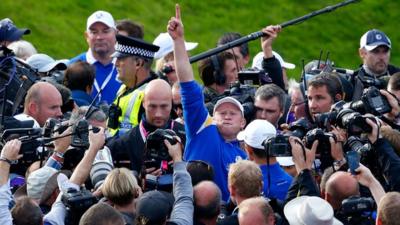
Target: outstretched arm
x=182 y=65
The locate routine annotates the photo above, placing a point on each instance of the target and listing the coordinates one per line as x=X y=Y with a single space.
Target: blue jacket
x=203 y=140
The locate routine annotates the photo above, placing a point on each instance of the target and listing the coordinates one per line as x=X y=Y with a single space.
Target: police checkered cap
x=127 y=46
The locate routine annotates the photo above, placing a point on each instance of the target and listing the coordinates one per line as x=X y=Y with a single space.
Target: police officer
x=374 y=51
x=134 y=59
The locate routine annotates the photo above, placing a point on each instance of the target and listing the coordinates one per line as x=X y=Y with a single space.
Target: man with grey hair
x=100 y=36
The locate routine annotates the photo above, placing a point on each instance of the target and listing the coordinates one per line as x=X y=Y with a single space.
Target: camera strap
x=144 y=133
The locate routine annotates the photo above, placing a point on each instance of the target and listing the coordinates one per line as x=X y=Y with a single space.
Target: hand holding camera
x=61 y=145
x=394 y=103
x=97 y=140
x=375 y=133
x=174 y=150
x=10 y=150
x=302 y=157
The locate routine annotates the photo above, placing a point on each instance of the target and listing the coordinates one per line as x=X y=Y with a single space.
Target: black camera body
x=253 y=77
x=155 y=147
x=354 y=205
x=300 y=127
x=324 y=146
x=278 y=146
x=358 y=145
x=114 y=112
x=77 y=202
x=80 y=137
x=353 y=122
x=372 y=101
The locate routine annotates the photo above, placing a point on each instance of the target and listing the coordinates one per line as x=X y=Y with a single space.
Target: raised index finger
x=177 y=12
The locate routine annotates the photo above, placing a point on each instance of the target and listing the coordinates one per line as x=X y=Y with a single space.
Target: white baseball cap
x=166 y=45
x=102 y=17
x=256 y=133
x=229 y=100
x=257 y=61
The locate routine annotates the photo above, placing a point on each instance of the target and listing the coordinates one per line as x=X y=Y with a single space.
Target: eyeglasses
x=298 y=103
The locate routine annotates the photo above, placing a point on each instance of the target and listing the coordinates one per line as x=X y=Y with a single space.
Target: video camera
x=76 y=203
x=16 y=77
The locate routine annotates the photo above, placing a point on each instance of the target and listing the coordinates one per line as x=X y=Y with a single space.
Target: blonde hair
x=246 y=177
x=120 y=186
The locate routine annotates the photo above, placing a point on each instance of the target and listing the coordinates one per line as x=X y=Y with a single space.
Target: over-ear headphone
x=218 y=74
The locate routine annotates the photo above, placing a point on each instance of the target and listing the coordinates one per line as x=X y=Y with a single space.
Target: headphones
x=219 y=76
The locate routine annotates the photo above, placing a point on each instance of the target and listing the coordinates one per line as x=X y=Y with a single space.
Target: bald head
x=157 y=102
x=256 y=210
x=340 y=186
x=43 y=101
x=207 y=198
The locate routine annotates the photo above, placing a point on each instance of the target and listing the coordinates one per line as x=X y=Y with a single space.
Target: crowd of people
x=103 y=138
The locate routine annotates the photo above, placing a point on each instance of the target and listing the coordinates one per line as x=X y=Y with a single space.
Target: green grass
x=58 y=26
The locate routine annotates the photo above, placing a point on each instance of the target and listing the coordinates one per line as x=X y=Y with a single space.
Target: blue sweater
x=203 y=140
x=280 y=181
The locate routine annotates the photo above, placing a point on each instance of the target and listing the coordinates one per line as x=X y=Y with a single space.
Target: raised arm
x=182 y=65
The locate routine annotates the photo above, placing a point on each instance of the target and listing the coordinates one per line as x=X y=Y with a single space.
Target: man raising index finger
x=220 y=131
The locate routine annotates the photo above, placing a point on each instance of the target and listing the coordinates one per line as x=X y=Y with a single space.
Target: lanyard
x=105 y=82
x=144 y=133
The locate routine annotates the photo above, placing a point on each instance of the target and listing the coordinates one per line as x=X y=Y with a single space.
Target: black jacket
x=131 y=145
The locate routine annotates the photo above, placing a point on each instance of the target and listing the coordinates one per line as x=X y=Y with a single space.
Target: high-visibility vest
x=130 y=107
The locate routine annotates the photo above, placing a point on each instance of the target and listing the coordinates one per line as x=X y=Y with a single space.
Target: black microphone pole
x=259 y=34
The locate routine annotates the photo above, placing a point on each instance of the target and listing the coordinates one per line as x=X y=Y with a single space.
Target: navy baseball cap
x=9 y=32
x=374 y=38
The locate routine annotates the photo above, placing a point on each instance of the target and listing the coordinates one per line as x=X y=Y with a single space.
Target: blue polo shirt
x=280 y=181
x=110 y=87
x=203 y=140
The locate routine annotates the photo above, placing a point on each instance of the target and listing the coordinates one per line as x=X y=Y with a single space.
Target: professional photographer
x=43 y=101
x=154 y=207
x=157 y=102
x=374 y=51
x=10 y=33
x=217 y=73
x=269 y=103
x=48 y=68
